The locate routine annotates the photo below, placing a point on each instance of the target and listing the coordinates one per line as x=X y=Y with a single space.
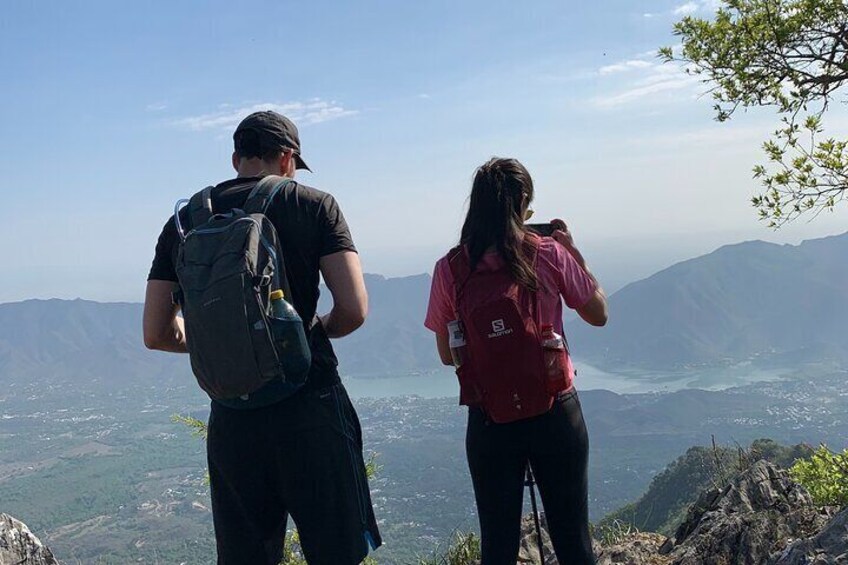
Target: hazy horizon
x=632 y=267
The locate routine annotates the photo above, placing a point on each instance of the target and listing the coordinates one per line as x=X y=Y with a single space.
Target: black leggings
x=557 y=447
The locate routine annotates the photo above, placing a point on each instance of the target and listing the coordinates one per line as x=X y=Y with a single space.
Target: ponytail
x=501 y=191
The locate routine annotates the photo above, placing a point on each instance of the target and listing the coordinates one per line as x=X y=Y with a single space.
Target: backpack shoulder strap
x=200 y=207
x=460 y=267
x=264 y=192
x=531 y=245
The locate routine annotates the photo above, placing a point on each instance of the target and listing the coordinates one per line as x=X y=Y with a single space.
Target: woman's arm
x=443 y=346
x=595 y=311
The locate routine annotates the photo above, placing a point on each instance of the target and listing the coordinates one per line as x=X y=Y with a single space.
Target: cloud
x=157 y=107
x=644 y=78
x=687 y=8
x=625 y=66
x=642 y=91
x=314 y=111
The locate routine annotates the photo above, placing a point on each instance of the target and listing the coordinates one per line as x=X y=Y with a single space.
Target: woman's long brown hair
x=501 y=192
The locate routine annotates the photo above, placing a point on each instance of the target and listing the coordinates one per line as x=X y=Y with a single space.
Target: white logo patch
x=499 y=329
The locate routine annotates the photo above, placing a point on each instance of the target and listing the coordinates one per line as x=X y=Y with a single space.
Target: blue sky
x=111 y=111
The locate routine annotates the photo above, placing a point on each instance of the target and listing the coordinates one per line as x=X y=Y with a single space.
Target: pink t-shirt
x=559 y=276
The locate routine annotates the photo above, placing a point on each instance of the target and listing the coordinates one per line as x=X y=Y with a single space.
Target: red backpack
x=504 y=370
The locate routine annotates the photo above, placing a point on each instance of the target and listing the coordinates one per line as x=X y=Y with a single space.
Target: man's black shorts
x=300 y=457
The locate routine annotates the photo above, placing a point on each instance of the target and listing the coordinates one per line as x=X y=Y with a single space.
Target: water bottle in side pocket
x=290 y=339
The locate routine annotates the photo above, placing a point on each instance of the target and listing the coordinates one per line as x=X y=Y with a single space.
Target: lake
x=442 y=384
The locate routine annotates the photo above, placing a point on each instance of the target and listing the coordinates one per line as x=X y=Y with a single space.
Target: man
x=271 y=455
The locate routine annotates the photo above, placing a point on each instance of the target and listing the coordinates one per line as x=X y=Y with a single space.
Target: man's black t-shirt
x=310 y=225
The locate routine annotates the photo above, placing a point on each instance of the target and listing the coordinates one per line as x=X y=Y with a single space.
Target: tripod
x=530 y=481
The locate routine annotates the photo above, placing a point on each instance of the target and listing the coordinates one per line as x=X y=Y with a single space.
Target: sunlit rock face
x=19 y=545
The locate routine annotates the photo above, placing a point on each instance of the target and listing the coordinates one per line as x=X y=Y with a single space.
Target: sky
x=112 y=111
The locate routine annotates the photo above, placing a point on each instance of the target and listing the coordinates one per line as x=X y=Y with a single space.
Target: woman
x=500 y=442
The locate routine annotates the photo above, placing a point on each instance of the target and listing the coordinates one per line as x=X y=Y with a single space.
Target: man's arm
x=163 y=329
x=342 y=273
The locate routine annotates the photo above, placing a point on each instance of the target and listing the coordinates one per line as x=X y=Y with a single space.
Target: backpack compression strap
x=264 y=192
x=257 y=203
x=200 y=207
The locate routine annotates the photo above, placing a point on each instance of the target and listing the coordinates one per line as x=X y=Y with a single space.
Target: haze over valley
x=90 y=458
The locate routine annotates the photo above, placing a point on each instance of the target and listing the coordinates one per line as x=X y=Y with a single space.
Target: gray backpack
x=227 y=265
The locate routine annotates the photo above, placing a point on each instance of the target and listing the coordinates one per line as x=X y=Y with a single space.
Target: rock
x=637 y=548
x=19 y=546
x=633 y=549
x=754 y=516
x=528 y=552
x=830 y=546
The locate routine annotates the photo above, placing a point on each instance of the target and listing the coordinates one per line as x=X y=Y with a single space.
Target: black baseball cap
x=266 y=131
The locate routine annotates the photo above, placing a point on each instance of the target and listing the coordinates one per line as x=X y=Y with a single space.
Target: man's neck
x=249 y=173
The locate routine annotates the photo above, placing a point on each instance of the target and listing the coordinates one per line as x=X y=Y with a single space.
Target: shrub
x=463 y=550
x=825 y=475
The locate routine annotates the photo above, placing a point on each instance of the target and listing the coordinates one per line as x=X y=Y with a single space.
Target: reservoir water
x=441 y=384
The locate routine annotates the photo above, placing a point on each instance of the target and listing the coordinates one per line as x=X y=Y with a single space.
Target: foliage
x=613 y=531
x=825 y=475
x=198 y=428
x=464 y=549
x=792 y=56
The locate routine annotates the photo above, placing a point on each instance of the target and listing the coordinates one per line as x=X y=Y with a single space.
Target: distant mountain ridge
x=783 y=304
x=68 y=339
x=788 y=303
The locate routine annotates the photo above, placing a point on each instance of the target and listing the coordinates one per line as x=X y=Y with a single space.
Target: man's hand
x=163 y=329
x=342 y=273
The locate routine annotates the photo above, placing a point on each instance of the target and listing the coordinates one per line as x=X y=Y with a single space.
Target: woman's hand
x=562 y=235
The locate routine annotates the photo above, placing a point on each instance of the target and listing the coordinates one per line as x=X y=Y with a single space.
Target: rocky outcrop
x=828 y=547
x=747 y=521
x=754 y=520
x=18 y=546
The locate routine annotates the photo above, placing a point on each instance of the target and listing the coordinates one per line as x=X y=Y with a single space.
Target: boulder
x=18 y=545
x=828 y=547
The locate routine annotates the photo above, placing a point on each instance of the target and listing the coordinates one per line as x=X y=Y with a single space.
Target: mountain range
x=750 y=301
x=785 y=303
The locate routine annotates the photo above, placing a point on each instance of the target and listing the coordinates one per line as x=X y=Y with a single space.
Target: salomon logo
x=499 y=329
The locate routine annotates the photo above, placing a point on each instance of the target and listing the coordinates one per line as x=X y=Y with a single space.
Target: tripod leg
x=531 y=484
